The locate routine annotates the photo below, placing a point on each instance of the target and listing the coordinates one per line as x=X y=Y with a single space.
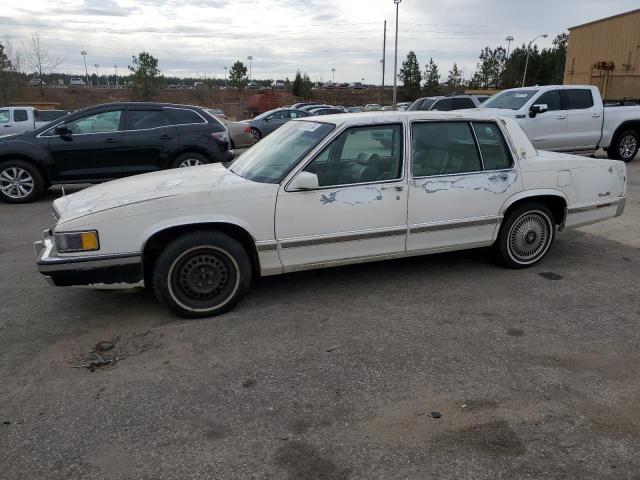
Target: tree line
x=494 y=70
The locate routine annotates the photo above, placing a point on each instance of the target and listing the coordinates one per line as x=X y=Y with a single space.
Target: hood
x=146 y=187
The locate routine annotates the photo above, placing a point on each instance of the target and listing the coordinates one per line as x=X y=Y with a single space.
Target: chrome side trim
x=587 y=208
x=88 y=263
x=266 y=246
x=455 y=225
x=349 y=237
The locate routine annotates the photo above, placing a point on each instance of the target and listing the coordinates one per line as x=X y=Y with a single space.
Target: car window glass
x=443 y=105
x=442 y=148
x=20 y=116
x=182 y=116
x=578 y=98
x=460 y=103
x=551 y=99
x=4 y=116
x=143 y=119
x=492 y=146
x=359 y=155
x=102 y=122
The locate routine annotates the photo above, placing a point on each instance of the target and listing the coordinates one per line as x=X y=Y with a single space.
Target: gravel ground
x=445 y=366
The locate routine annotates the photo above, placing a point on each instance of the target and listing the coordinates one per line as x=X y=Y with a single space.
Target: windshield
x=270 y=160
x=422 y=104
x=511 y=99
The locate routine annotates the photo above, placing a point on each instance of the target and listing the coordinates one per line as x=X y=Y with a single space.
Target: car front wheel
x=626 y=146
x=20 y=182
x=189 y=159
x=526 y=235
x=257 y=136
x=202 y=274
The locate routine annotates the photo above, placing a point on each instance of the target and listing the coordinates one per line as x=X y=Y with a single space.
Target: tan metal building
x=606 y=53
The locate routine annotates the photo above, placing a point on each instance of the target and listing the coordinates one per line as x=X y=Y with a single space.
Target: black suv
x=109 y=141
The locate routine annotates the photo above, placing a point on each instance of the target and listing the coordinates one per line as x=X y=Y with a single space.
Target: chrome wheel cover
x=190 y=162
x=628 y=147
x=256 y=135
x=529 y=237
x=16 y=183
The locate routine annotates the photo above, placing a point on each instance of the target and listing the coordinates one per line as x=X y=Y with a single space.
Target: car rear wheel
x=257 y=136
x=189 y=159
x=202 y=274
x=625 y=147
x=20 y=182
x=526 y=235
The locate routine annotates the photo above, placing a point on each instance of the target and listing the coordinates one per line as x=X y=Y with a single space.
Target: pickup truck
x=15 y=120
x=571 y=118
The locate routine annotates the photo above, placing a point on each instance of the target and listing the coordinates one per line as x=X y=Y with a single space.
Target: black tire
x=20 y=182
x=526 y=235
x=257 y=135
x=189 y=159
x=625 y=146
x=201 y=274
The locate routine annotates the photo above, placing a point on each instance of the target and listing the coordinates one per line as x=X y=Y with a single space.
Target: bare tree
x=10 y=63
x=38 y=58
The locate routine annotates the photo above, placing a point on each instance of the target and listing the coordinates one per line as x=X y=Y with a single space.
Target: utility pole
x=115 y=67
x=84 y=56
x=225 y=76
x=97 y=74
x=250 y=58
x=384 y=58
x=395 y=60
x=509 y=39
x=333 y=76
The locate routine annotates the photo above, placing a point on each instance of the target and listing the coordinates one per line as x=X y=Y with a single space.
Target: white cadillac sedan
x=322 y=192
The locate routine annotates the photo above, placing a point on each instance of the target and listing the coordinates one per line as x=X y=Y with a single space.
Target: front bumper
x=108 y=270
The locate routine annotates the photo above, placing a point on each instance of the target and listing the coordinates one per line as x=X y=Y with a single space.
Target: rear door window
x=444 y=105
x=4 y=116
x=495 y=155
x=577 y=98
x=145 y=119
x=444 y=148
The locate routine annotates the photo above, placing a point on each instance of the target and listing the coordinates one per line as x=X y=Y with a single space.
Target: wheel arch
x=553 y=199
x=626 y=125
x=192 y=149
x=158 y=239
x=30 y=160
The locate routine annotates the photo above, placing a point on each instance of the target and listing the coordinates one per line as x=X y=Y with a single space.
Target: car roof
x=399 y=116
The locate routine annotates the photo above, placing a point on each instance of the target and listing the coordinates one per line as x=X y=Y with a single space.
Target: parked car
x=446 y=104
x=402 y=106
x=270 y=121
x=76 y=81
x=313 y=106
x=354 y=109
x=240 y=134
x=372 y=107
x=297 y=106
x=571 y=118
x=279 y=85
x=48 y=116
x=19 y=119
x=356 y=86
x=253 y=86
x=216 y=112
x=109 y=141
x=326 y=111
x=35 y=82
x=326 y=193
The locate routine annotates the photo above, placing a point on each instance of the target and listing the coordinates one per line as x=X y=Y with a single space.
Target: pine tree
x=238 y=75
x=432 y=78
x=455 y=77
x=410 y=75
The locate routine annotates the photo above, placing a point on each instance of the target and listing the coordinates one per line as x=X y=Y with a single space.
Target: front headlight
x=77 y=241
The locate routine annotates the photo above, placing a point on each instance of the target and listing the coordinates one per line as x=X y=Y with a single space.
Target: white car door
x=6 y=125
x=584 y=125
x=458 y=185
x=360 y=207
x=548 y=130
x=21 y=121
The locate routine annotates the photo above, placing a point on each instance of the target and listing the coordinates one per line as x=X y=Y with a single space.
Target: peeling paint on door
x=496 y=183
x=353 y=196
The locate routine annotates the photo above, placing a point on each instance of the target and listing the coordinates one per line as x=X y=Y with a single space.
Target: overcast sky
x=192 y=37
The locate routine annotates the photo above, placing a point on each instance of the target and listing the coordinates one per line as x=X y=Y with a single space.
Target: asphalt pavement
x=444 y=366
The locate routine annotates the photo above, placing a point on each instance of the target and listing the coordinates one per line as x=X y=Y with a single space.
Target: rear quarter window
x=20 y=116
x=182 y=116
x=578 y=98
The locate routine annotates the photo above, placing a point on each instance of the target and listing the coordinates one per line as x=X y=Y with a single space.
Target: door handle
x=165 y=137
x=595 y=115
x=111 y=140
x=6 y=126
x=397 y=188
x=561 y=117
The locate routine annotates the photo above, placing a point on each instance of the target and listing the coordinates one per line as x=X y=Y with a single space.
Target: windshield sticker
x=521 y=95
x=310 y=126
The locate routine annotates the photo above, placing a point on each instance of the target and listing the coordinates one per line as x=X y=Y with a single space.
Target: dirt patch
x=550 y=276
x=495 y=438
x=304 y=462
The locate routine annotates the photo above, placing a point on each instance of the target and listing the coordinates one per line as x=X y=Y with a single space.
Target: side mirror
x=305 y=181
x=62 y=130
x=538 y=108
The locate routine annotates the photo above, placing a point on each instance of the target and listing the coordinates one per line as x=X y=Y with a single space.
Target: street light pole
x=97 y=75
x=526 y=63
x=333 y=76
x=84 y=56
x=383 y=61
x=395 y=60
x=225 y=76
x=115 y=67
x=250 y=58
